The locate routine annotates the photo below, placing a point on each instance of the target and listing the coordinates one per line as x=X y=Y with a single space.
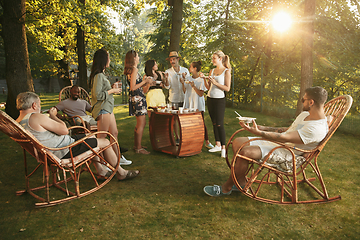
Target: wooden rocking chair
x=70 y=169
x=269 y=184
x=65 y=94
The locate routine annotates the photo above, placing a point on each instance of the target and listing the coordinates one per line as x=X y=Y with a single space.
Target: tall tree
x=80 y=44
x=307 y=50
x=82 y=27
x=176 y=23
x=160 y=36
x=18 y=74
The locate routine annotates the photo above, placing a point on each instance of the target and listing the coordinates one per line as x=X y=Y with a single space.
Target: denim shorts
x=102 y=111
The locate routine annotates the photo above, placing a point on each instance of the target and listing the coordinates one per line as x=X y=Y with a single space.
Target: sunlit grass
x=167 y=202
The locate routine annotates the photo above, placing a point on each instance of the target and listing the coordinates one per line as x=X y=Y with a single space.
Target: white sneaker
x=215 y=149
x=223 y=153
x=124 y=161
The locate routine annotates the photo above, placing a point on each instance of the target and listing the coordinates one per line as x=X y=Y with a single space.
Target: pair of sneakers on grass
x=217 y=149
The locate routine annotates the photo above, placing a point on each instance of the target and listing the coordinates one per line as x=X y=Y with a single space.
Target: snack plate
x=245 y=119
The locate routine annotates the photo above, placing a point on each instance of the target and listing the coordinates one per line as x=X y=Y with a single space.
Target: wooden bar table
x=191 y=133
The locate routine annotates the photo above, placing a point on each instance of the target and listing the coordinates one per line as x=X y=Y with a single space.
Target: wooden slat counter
x=191 y=133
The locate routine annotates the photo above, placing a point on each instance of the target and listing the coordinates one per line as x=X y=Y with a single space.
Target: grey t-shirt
x=74 y=107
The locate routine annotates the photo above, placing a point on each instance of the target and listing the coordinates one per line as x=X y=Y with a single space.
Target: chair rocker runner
x=72 y=169
x=273 y=183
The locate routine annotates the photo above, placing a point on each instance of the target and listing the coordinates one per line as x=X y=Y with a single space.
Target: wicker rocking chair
x=272 y=184
x=70 y=169
x=65 y=94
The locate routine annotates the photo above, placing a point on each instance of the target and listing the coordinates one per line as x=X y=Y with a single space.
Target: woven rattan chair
x=69 y=169
x=65 y=94
x=269 y=184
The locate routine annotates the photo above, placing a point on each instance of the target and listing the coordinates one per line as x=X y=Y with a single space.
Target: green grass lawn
x=166 y=201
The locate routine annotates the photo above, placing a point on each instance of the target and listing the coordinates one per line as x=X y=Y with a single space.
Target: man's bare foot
x=226 y=189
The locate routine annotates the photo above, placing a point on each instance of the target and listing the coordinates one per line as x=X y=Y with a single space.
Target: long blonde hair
x=129 y=62
x=225 y=59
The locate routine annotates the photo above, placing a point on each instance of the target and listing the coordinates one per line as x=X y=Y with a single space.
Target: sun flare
x=281 y=21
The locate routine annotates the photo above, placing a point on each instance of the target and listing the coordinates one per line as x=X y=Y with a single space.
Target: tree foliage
x=52 y=25
x=17 y=67
x=266 y=64
x=242 y=30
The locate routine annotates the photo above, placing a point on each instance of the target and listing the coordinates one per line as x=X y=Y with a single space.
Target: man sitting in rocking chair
x=74 y=106
x=52 y=132
x=306 y=132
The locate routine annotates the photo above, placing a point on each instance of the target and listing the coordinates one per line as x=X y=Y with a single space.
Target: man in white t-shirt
x=173 y=83
x=306 y=132
x=176 y=93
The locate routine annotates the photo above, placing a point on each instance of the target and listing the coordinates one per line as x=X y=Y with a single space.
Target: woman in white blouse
x=218 y=83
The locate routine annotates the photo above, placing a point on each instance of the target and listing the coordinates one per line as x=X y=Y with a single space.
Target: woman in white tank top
x=218 y=83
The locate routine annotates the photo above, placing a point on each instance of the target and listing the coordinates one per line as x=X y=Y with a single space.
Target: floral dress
x=137 y=100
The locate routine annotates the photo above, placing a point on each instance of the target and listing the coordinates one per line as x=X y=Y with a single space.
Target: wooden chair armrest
x=81 y=140
x=91 y=135
x=67 y=117
x=79 y=127
x=230 y=142
x=289 y=146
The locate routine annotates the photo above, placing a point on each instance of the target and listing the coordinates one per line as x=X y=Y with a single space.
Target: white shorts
x=265 y=146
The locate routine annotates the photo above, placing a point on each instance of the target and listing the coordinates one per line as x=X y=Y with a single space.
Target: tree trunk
x=307 y=50
x=82 y=74
x=268 y=53
x=82 y=66
x=176 y=25
x=226 y=49
x=17 y=70
x=63 y=72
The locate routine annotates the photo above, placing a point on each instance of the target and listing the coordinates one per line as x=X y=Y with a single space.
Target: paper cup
x=246 y=119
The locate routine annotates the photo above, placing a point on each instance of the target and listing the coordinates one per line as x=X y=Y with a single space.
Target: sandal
x=141 y=150
x=130 y=174
x=144 y=147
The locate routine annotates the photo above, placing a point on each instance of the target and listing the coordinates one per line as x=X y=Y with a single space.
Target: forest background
x=266 y=64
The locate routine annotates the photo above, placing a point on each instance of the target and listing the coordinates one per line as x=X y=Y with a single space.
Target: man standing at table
x=172 y=82
x=176 y=93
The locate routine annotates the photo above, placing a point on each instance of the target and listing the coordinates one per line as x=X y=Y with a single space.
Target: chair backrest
x=25 y=139
x=65 y=94
x=336 y=110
